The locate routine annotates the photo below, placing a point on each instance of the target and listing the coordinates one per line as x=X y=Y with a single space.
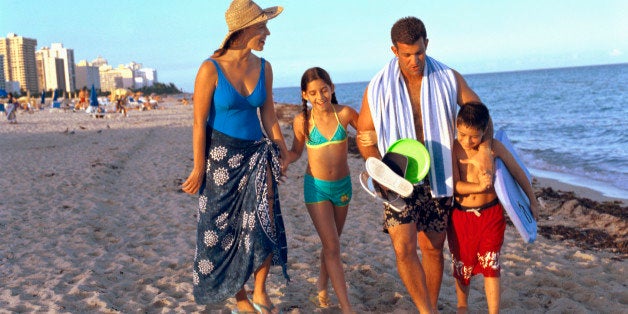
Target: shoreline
x=580 y=191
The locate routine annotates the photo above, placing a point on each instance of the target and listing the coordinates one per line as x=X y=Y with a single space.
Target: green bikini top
x=318 y=140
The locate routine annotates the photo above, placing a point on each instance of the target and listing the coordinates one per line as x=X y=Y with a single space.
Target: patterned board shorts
x=475 y=240
x=428 y=213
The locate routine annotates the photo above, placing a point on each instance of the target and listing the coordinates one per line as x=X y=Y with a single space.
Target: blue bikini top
x=318 y=140
x=233 y=114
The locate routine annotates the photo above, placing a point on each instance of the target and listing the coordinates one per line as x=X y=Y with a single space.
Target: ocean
x=567 y=124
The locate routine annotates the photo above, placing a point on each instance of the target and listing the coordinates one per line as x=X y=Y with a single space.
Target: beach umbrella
x=93 y=98
x=3 y=93
x=43 y=97
x=122 y=92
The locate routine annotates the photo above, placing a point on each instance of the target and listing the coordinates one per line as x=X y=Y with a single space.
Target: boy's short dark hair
x=474 y=115
x=407 y=30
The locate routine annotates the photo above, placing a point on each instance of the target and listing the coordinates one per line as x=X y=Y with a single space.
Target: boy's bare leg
x=431 y=245
x=404 y=240
x=462 y=293
x=493 y=293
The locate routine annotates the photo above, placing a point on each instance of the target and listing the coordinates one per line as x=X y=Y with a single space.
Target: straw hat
x=244 y=13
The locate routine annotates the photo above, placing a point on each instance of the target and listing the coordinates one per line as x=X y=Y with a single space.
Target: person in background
x=327 y=182
x=236 y=167
x=11 y=109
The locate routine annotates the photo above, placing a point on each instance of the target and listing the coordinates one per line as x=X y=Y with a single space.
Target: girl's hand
x=193 y=182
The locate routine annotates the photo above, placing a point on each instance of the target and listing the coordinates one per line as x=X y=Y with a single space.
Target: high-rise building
x=2 y=79
x=87 y=75
x=114 y=78
x=55 y=66
x=67 y=55
x=99 y=61
x=19 y=61
x=145 y=77
x=51 y=70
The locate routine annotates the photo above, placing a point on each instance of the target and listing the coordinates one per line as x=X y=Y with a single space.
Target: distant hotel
x=55 y=66
x=22 y=68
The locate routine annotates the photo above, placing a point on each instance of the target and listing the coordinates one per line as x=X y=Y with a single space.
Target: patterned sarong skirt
x=237 y=226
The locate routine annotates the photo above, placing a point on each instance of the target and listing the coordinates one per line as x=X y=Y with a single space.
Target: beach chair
x=95 y=111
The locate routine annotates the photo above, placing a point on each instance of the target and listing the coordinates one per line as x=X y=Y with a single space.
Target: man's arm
x=467 y=95
x=367 y=137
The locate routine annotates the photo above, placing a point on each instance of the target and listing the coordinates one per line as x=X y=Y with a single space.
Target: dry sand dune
x=93 y=220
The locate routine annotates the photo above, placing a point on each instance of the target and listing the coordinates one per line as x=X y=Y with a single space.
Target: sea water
x=568 y=124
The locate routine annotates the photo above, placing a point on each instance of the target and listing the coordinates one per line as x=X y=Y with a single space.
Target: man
x=415 y=96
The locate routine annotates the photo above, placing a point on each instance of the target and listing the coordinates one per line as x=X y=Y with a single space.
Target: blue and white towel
x=391 y=111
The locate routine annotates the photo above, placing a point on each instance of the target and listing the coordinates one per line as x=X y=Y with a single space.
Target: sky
x=348 y=38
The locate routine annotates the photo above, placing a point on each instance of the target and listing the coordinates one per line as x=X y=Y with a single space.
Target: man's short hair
x=408 y=30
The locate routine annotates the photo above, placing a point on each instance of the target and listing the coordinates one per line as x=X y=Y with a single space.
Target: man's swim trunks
x=337 y=192
x=428 y=213
x=475 y=238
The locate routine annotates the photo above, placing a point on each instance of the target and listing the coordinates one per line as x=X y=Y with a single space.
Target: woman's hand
x=193 y=182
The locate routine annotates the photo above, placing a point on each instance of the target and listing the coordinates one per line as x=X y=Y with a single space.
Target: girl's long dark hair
x=310 y=75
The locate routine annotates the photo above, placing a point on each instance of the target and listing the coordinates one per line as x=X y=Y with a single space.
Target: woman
x=11 y=108
x=240 y=229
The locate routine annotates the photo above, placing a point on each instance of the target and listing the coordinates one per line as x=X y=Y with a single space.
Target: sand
x=93 y=220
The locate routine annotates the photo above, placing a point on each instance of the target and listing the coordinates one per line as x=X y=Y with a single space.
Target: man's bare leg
x=404 y=240
x=431 y=245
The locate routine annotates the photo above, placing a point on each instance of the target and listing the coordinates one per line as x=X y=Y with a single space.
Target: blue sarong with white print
x=236 y=232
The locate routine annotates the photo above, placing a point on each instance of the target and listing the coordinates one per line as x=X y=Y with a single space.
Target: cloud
x=615 y=53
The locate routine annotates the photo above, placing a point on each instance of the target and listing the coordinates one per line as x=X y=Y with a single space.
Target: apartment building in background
x=2 y=78
x=19 y=61
x=87 y=74
x=51 y=70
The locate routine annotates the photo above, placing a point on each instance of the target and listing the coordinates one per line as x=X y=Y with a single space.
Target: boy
x=477 y=224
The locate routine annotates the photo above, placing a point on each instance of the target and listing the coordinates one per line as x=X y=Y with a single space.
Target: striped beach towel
x=392 y=116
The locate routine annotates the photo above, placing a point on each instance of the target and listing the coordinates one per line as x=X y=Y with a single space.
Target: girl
x=327 y=183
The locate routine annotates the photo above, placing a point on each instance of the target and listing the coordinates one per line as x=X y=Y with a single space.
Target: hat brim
x=267 y=14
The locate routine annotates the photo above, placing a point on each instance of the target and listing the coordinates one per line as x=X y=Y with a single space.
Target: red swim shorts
x=475 y=240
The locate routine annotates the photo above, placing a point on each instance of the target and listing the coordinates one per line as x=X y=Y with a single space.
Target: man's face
x=411 y=57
